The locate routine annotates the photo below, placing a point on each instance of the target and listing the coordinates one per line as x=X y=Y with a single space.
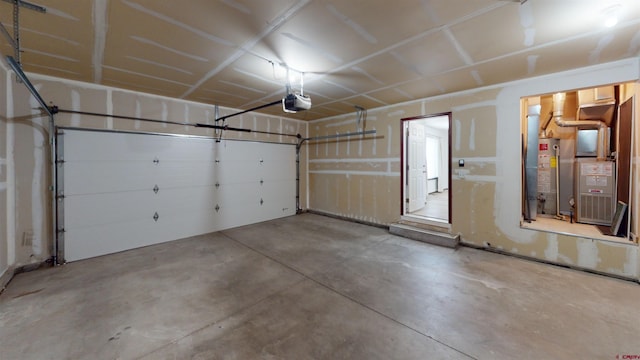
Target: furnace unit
x=595 y=191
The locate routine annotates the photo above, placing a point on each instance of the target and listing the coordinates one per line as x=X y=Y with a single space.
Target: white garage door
x=125 y=190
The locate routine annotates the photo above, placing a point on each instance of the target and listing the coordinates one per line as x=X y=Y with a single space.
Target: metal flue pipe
x=558 y=113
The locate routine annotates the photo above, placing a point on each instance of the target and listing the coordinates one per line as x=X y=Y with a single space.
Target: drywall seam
x=463 y=175
x=38 y=213
x=11 y=182
x=621 y=67
x=350 y=121
x=355 y=172
x=587 y=253
x=631 y=265
x=475 y=159
x=353 y=160
x=389 y=139
x=488 y=103
x=84 y=85
x=100 y=37
x=272 y=26
x=457 y=129
x=472 y=135
x=75 y=106
x=109 y=109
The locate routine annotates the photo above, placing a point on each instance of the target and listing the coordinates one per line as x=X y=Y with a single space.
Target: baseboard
x=346 y=218
x=547 y=262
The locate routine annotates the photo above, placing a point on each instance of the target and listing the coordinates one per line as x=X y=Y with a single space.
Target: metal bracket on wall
x=15 y=40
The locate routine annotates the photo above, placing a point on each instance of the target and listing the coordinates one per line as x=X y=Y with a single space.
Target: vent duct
x=601 y=126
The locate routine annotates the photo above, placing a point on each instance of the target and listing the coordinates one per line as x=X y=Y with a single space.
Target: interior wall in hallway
x=360 y=178
x=33 y=236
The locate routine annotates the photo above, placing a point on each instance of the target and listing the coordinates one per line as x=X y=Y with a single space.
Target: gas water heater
x=548 y=150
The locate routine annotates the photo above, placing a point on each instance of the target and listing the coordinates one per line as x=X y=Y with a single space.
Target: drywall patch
x=594 y=57
x=551 y=252
x=165 y=113
x=186 y=117
x=458 y=131
x=631 y=264
x=375 y=138
x=138 y=114
x=531 y=63
x=527 y=20
x=634 y=45
x=100 y=37
x=587 y=253
x=75 y=105
x=472 y=135
x=389 y=133
x=109 y=108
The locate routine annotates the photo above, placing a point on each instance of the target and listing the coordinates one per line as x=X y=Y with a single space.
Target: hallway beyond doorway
x=437 y=206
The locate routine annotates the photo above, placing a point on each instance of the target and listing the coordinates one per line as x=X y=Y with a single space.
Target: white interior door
x=123 y=190
x=417 y=167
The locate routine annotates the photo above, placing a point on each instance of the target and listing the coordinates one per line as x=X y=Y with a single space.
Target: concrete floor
x=312 y=287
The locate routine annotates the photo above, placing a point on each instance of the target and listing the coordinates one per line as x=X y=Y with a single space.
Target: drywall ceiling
x=366 y=53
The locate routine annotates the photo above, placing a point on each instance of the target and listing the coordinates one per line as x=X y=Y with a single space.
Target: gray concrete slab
x=493 y=306
x=307 y=321
x=313 y=287
x=306 y=244
x=124 y=305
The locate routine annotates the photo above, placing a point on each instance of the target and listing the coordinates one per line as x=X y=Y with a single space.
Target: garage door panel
x=201 y=186
x=87 y=242
x=92 y=177
x=282 y=192
x=276 y=170
x=239 y=171
x=112 y=176
x=93 y=146
x=102 y=209
x=98 y=209
x=183 y=174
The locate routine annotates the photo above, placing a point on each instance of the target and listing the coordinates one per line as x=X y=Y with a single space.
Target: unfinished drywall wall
x=360 y=178
x=4 y=260
x=33 y=238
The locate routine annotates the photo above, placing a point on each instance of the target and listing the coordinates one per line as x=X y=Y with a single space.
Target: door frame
x=403 y=165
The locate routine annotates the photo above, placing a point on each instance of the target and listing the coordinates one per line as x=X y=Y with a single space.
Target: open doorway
x=426 y=177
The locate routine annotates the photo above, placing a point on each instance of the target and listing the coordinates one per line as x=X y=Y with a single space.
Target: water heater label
x=544 y=161
x=544 y=147
x=595 y=191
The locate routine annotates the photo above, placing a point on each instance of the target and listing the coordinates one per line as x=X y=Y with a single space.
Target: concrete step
x=428 y=236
